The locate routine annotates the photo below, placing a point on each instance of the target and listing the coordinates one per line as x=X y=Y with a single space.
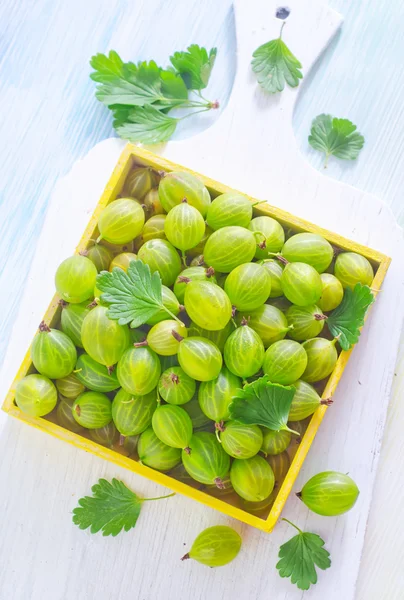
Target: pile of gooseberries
x=244 y=298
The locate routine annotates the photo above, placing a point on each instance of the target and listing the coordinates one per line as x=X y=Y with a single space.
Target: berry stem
x=44 y=327
x=327 y=401
x=139 y=344
x=184 y=258
x=176 y=335
x=210 y=271
x=219 y=483
x=319 y=317
x=186 y=556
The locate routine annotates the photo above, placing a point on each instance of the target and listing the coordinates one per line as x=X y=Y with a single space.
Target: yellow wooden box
x=131 y=156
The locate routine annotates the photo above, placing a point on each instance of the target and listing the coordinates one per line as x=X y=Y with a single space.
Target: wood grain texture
x=59 y=126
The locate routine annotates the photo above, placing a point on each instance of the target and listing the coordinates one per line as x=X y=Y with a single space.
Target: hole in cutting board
x=282 y=12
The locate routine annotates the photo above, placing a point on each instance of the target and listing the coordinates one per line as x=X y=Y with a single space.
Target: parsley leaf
x=133 y=297
x=144 y=124
x=346 y=320
x=300 y=556
x=263 y=403
x=112 y=507
x=275 y=65
x=107 y=68
x=195 y=66
x=336 y=137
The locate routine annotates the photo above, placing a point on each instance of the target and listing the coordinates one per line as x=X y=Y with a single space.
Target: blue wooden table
x=50 y=117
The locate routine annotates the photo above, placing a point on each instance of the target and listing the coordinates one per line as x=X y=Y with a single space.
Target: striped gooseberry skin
x=285 y=362
x=169 y=301
x=309 y=248
x=244 y=352
x=301 y=284
x=332 y=293
x=248 y=286
x=106 y=436
x=351 y=268
x=218 y=337
x=215 y=546
x=122 y=261
x=64 y=416
x=92 y=410
x=275 y=442
x=207 y=305
x=173 y=426
x=75 y=279
x=189 y=275
x=229 y=247
x=241 y=441
x=133 y=414
x=153 y=229
x=229 y=209
x=305 y=321
x=155 y=454
x=305 y=401
x=177 y=185
x=272 y=238
x=121 y=221
x=53 y=353
x=104 y=339
x=322 y=357
x=184 y=226
x=94 y=375
x=139 y=370
x=161 y=256
x=279 y=464
x=176 y=387
x=70 y=386
x=139 y=182
x=200 y=358
x=36 y=395
x=198 y=418
x=161 y=338
x=269 y=322
x=151 y=203
x=197 y=251
x=216 y=396
x=71 y=321
x=329 y=493
x=275 y=270
x=100 y=256
x=252 y=478
x=207 y=463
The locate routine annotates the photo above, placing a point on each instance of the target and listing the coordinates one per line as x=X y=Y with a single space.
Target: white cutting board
x=251 y=147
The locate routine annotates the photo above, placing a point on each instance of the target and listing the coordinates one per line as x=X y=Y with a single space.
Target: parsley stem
x=158 y=497
x=293 y=525
x=194 y=113
x=282 y=26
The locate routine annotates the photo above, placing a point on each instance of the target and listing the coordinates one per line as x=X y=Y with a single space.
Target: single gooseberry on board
x=329 y=493
x=215 y=546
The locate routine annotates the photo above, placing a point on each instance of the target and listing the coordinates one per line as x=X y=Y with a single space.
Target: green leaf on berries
x=263 y=403
x=133 y=297
x=346 y=320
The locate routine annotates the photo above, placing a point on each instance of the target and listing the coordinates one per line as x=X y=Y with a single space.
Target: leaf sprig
x=300 y=556
x=111 y=508
x=335 y=137
x=275 y=66
x=263 y=403
x=140 y=95
x=346 y=320
x=133 y=297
